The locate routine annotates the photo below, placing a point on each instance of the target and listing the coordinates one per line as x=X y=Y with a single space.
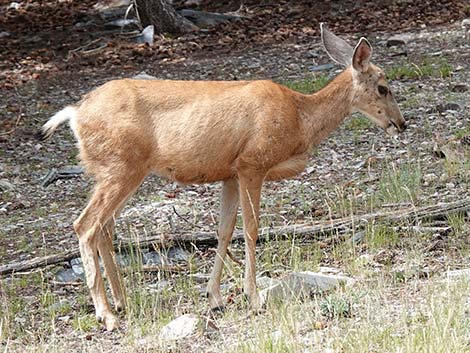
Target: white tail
x=68 y=113
x=239 y=133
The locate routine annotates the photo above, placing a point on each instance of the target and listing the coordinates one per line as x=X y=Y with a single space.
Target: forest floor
x=403 y=298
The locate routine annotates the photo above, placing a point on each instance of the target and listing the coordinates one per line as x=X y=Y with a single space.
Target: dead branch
x=302 y=231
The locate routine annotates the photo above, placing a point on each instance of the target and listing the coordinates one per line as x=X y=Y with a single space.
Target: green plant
x=335 y=306
x=309 y=84
x=427 y=67
x=399 y=183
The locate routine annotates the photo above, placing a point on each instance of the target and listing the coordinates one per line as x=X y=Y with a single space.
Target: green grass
x=309 y=84
x=399 y=183
x=427 y=67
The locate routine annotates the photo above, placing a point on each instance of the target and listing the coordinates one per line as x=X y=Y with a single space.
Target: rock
x=398 y=39
x=430 y=177
x=199 y=277
x=121 y=23
x=358 y=237
x=14 y=5
x=5 y=185
x=144 y=76
x=145 y=37
x=466 y=23
x=321 y=67
x=181 y=327
x=447 y=106
x=4 y=34
x=68 y=275
x=207 y=19
x=77 y=267
x=459 y=274
x=176 y=254
x=151 y=258
x=301 y=284
x=459 y=88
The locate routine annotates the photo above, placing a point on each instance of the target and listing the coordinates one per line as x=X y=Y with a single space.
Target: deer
x=239 y=133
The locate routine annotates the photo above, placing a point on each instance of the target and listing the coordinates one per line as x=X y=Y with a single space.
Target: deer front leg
x=250 y=193
x=228 y=217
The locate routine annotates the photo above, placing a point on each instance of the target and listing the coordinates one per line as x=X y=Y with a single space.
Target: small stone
x=199 y=277
x=460 y=88
x=397 y=40
x=121 y=23
x=181 y=327
x=5 y=185
x=447 y=106
x=144 y=76
x=176 y=254
x=321 y=67
x=430 y=177
x=68 y=275
x=466 y=23
x=14 y=5
x=455 y=274
x=294 y=67
x=151 y=258
x=4 y=34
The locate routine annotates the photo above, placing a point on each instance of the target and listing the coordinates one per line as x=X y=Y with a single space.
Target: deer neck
x=323 y=111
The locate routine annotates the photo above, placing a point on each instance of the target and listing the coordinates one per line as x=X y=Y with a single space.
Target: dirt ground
x=43 y=68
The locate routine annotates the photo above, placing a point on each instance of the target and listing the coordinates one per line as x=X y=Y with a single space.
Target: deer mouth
x=392 y=129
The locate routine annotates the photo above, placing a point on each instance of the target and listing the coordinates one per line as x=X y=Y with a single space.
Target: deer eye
x=383 y=91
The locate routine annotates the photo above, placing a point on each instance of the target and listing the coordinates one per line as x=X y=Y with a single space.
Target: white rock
x=466 y=23
x=181 y=327
x=302 y=284
x=14 y=5
x=455 y=274
x=144 y=76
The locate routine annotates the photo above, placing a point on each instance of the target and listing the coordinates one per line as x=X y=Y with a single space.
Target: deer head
x=371 y=93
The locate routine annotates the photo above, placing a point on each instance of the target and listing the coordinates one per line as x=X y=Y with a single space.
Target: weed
x=85 y=322
x=309 y=84
x=427 y=67
x=399 y=183
x=381 y=236
x=335 y=306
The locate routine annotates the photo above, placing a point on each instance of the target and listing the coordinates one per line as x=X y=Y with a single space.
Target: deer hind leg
x=250 y=194
x=228 y=217
x=106 y=252
x=109 y=194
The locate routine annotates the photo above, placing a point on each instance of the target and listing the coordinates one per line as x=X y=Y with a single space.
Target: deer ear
x=361 y=56
x=337 y=48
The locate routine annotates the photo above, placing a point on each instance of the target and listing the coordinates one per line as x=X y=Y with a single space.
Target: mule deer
x=240 y=133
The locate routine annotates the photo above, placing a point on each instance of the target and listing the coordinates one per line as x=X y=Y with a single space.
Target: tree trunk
x=163 y=17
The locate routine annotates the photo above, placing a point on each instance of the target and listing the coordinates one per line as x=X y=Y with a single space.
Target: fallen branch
x=323 y=228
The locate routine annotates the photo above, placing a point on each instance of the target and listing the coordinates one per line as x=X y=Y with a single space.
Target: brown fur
x=240 y=133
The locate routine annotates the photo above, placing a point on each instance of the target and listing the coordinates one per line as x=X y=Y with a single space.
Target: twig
x=84 y=46
x=233 y=258
x=185 y=219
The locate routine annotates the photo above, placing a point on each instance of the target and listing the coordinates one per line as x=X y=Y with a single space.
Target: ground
x=402 y=299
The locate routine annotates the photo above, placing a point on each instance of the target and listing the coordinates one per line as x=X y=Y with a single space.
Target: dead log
x=301 y=231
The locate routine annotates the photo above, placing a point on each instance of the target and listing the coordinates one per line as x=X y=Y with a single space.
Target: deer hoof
x=111 y=322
